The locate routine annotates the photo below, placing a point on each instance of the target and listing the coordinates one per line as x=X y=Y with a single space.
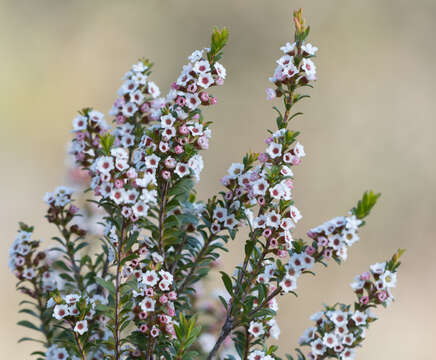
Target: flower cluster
x=154 y=298
x=339 y=329
x=138 y=297
x=82 y=314
x=29 y=263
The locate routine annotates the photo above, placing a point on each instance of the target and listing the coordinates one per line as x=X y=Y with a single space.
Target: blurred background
x=369 y=125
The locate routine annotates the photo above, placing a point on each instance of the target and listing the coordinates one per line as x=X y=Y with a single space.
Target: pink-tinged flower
x=143 y=328
x=212 y=100
x=204 y=96
x=143 y=315
x=154 y=331
x=166 y=174
x=310 y=250
x=263 y=157
x=382 y=296
x=181 y=101
x=364 y=300
x=178 y=149
x=270 y=94
x=163 y=299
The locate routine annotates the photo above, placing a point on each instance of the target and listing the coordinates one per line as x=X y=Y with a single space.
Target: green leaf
x=28 y=324
x=108 y=285
x=365 y=205
x=227 y=282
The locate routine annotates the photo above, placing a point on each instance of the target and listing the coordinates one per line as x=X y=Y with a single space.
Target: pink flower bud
x=382 y=296
x=219 y=81
x=119 y=183
x=172 y=295
x=270 y=94
x=192 y=88
x=365 y=276
x=145 y=108
x=364 y=300
x=120 y=119
x=310 y=250
x=183 y=130
x=181 y=101
x=143 y=315
x=73 y=209
x=178 y=149
x=269 y=140
x=166 y=174
x=174 y=86
x=263 y=157
x=212 y=101
x=163 y=299
x=204 y=96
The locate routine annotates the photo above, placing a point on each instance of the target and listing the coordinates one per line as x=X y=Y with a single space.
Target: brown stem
x=162 y=208
x=247 y=343
x=188 y=277
x=117 y=294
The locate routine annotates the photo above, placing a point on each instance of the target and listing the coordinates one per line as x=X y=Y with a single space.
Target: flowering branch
x=138 y=296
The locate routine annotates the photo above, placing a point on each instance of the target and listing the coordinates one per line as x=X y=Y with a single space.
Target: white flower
x=140 y=209
x=147 y=304
x=318 y=347
x=339 y=318
x=196 y=55
x=256 y=355
x=256 y=329
x=81 y=327
x=79 y=123
x=105 y=164
x=309 y=48
x=220 y=214
x=235 y=170
x=150 y=278
x=153 y=89
x=182 y=169
x=260 y=187
x=72 y=298
x=221 y=70
x=288 y=284
x=167 y=120
x=274 y=328
x=299 y=150
x=274 y=150
x=352 y=223
x=359 y=318
x=348 y=354
x=350 y=237
x=378 y=268
x=129 y=109
x=205 y=80
x=201 y=67
x=309 y=68
x=307 y=335
x=137 y=97
x=60 y=311
x=139 y=67
x=165 y=285
x=288 y=47
x=389 y=279
x=330 y=340
x=152 y=161
x=295 y=214
x=273 y=219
